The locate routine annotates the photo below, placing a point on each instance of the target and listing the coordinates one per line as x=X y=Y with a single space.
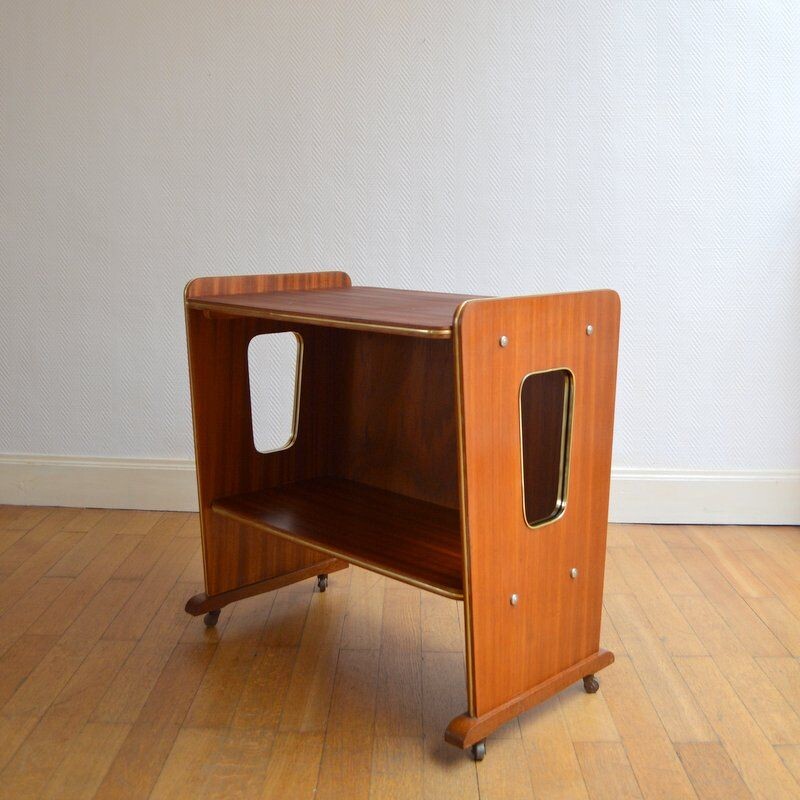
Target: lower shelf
x=407 y=539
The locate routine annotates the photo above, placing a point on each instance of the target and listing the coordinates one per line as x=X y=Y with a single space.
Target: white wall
x=498 y=148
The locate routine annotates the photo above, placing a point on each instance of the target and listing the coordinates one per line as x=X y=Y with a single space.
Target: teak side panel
x=556 y=623
x=236 y=555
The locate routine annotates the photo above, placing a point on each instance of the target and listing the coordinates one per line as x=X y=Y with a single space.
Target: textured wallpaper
x=497 y=148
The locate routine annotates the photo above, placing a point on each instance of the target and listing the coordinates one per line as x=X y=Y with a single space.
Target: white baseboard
x=84 y=481
x=705 y=497
x=637 y=495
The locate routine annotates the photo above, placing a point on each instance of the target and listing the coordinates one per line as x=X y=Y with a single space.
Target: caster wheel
x=211 y=618
x=479 y=751
x=322 y=582
x=590 y=684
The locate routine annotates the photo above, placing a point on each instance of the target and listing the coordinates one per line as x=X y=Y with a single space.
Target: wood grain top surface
x=427 y=314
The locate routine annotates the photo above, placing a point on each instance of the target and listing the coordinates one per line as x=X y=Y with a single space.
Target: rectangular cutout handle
x=274 y=362
x=545 y=409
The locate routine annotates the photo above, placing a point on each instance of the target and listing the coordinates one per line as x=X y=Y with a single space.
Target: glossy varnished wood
x=202 y=603
x=513 y=649
x=374 y=408
x=411 y=540
x=224 y=285
x=466 y=729
x=227 y=462
x=403 y=312
x=392 y=411
x=408 y=460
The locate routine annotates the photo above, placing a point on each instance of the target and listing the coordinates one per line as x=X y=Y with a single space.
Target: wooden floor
x=107 y=689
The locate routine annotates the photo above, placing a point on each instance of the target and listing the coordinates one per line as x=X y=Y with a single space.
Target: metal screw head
x=504 y=341
x=573 y=573
x=589 y=330
x=513 y=599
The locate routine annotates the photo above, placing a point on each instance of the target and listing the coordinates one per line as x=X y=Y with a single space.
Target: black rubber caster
x=211 y=618
x=479 y=750
x=590 y=684
x=322 y=582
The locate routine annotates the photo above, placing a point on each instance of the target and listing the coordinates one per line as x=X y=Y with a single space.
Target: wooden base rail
x=203 y=603
x=465 y=731
x=460 y=444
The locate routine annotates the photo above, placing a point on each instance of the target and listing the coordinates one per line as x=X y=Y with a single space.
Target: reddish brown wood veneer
x=414 y=541
x=408 y=458
x=409 y=313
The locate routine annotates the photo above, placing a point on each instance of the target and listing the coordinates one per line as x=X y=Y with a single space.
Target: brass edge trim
x=186 y=309
x=565 y=450
x=298 y=387
x=463 y=502
x=400 y=576
x=326 y=322
x=298 y=379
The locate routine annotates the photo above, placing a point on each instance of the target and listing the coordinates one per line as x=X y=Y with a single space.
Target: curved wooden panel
x=247 y=284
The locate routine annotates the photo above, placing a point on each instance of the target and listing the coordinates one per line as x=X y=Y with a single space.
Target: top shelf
x=398 y=311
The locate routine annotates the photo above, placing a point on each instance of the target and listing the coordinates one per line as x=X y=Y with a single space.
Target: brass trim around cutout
x=298 y=382
x=565 y=451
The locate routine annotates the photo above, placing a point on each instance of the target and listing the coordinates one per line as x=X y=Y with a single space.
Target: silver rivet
x=513 y=599
x=504 y=341
x=589 y=330
x=573 y=573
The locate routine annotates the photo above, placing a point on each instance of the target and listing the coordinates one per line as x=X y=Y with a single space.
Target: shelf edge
x=326 y=322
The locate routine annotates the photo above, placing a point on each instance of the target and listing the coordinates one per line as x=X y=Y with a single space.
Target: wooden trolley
x=459 y=444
